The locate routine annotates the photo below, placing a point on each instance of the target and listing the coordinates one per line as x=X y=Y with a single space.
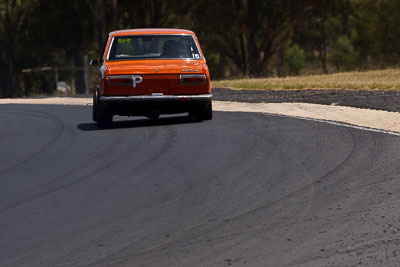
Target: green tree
x=295 y=59
x=251 y=32
x=342 y=54
x=376 y=32
x=61 y=38
x=322 y=32
x=13 y=14
x=154 y=13
x=105 y=18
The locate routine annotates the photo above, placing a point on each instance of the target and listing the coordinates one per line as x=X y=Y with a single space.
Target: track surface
x=242 y=189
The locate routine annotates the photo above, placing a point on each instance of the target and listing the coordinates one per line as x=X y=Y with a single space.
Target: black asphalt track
x=244 y=189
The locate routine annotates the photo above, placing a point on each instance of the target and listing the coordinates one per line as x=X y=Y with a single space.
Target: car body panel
x=151 y=31
x=152 y=79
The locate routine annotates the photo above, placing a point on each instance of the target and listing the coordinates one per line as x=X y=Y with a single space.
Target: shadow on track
x=139 y=123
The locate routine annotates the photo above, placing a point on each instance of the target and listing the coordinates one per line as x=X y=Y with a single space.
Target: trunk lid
x=158 y=77
x=154 y=67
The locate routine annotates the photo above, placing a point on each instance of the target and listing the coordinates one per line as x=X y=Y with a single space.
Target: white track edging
x=363 y=119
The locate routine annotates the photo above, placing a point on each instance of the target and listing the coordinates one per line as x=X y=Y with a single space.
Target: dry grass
x=369 y=80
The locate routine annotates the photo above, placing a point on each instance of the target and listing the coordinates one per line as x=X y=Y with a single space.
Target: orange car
x=148 y=72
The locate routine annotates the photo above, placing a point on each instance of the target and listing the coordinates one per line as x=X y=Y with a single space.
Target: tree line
x=240 y=38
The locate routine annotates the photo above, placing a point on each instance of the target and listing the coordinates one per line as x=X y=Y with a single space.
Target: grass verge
x=369 y=80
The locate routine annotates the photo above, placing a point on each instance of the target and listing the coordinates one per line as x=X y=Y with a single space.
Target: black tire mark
x=235 y=166
x=58 y=132
x=58 y=185
x=251 y=234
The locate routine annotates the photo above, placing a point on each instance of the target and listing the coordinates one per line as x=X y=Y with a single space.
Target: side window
x=101 y=60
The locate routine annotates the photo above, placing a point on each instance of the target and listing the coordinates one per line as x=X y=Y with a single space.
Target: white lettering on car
x=136 y=79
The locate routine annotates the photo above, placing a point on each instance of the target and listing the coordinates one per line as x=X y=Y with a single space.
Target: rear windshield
x=154 y=47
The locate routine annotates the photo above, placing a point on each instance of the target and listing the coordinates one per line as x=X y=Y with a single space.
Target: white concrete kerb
x=363 y=119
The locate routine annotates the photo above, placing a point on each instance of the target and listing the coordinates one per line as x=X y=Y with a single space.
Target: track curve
x=242 y=189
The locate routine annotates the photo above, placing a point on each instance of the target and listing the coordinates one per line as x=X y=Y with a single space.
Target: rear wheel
x=102 y=113
x=94 y=107
x=203 y=112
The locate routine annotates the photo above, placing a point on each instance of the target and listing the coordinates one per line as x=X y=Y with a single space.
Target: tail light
x=119 y=80
x=192 y=79
x=124 y=80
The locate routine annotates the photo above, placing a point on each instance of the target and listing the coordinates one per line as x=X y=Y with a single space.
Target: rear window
x=154 y=47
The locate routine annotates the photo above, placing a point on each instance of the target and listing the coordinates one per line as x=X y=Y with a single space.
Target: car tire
x=94 y=108
x=206 y=113
x=104 y=117
x=203 y=112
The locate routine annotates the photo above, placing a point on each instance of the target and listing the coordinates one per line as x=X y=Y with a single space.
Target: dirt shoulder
x=371 y=109
x=380 y=100
x=364 y=108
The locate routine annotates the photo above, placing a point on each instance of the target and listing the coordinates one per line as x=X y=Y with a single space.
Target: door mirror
x=93 y=63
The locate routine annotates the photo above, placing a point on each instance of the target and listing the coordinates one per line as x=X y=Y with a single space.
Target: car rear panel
x=167 y=84
x=158 y=77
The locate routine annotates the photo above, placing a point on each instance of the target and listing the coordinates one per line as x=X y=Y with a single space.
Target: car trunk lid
x=157 y=77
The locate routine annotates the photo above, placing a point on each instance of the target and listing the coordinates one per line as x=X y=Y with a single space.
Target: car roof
x=151 y=31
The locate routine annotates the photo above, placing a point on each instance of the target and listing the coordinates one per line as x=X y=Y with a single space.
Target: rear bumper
x=144 y=105
x=158 y=98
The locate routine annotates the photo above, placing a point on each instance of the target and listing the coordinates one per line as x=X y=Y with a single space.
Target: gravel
x=381 y=100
